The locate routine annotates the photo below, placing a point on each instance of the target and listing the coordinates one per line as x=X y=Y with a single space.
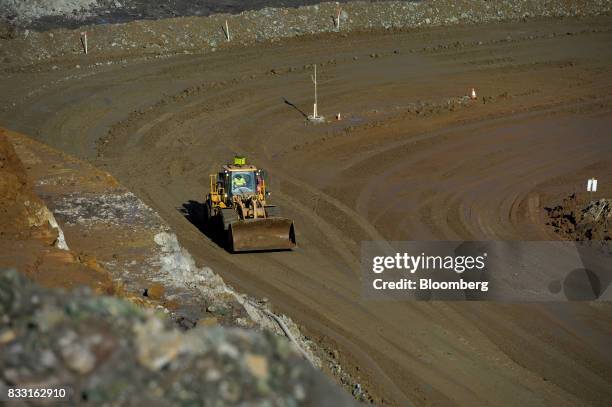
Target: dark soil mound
x=590 y=222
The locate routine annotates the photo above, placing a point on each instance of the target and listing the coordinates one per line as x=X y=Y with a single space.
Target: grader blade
x=262 y=234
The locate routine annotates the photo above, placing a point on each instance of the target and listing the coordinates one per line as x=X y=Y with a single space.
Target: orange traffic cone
x=473 y=94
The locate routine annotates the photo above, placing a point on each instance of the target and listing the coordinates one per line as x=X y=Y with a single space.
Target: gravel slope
x=107 y=351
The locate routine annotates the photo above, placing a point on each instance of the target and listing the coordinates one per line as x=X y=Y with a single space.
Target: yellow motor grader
x=236 y=206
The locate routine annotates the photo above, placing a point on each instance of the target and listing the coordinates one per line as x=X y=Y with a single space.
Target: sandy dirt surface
x=411 y=159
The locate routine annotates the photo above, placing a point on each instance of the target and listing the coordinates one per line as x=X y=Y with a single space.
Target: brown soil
x=27 y=240
x=409 y=160
x=22 y=211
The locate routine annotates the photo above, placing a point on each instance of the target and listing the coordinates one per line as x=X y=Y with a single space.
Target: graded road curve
x=403 y=164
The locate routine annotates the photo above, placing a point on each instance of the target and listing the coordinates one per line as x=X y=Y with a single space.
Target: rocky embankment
x=66 y=224
x=60 y=13
x=153 y=38
x=31 y=239
x=109 y=351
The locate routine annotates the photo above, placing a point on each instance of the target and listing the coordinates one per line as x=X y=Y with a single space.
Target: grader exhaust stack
x=237 y=209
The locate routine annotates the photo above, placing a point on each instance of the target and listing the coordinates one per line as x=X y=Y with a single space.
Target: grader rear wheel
x=204 y=214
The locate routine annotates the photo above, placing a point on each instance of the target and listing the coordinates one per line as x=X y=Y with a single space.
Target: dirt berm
x=30 y=237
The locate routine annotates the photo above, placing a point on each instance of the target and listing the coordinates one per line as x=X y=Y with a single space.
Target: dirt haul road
x=411 y=159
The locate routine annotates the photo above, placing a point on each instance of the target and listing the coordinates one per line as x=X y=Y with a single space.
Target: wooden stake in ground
x=84 y=41
x=227 y=33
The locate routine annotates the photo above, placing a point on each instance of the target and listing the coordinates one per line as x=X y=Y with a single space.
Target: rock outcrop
x=107 y=350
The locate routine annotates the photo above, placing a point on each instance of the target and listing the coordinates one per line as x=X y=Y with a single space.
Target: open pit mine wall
x=206 y=34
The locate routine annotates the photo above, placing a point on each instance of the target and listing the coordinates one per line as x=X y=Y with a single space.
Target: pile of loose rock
x=206 y=34
x=108 y=350
x=575 y=222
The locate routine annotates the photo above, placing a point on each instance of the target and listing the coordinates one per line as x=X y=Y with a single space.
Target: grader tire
x=204 y=215
x=272 y=211
x=228 y=216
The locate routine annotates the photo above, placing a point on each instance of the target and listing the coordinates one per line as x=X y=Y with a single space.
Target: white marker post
x=314 y=80
x=315 y=114
x=338 y=18
x=84 y=41
x=592 y=186
x=227 y=34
